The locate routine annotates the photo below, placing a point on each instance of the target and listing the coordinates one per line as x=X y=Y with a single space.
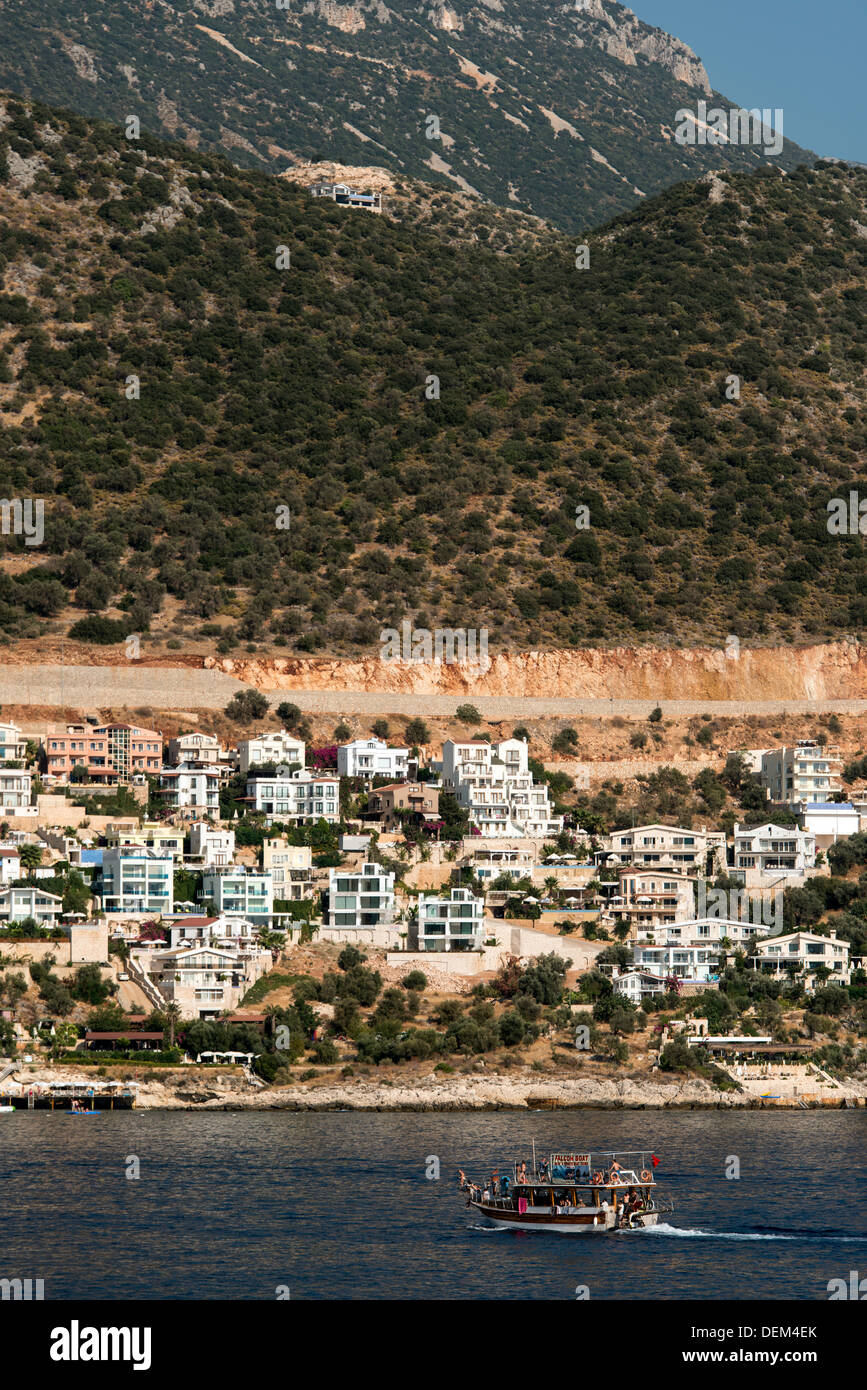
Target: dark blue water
x=338 y=1206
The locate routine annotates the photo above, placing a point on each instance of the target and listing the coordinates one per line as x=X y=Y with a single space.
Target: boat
x=589 y=1193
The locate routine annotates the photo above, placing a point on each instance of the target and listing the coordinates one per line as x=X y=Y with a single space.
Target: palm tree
x=31 y=858
x=172 y=1014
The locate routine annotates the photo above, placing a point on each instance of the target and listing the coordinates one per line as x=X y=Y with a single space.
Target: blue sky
x=805 y=57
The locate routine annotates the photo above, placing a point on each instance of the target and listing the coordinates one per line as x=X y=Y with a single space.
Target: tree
x=655 y=716
x=288 y=714
x=416 y=979
x=31 y=858
x=380 y=728
x=417 y=731
x=566 y=741
x=467 y=714
x=342 y=733
x=246 y=706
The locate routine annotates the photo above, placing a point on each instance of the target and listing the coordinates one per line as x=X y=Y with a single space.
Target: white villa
x=494 y=783
x=372 y=757
x=764 y=854
x=807 y=951
x=453 y=923
x=360 y=905
x=665 y=846
x=191 y=788
x=278 y=747
x=297 y=796
x=214 y=847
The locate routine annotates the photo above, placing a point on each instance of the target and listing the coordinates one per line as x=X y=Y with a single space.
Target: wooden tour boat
x=583 y=1192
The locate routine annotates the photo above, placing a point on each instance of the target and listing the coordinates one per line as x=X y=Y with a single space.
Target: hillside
x=567 y=111
x=270 y=396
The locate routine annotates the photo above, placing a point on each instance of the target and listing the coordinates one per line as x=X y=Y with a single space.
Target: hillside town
x=182 y=898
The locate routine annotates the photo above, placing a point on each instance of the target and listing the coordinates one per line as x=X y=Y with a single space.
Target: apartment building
x=298 y=796
x=803 y=953
x=214 y=847
x=291 y=869
x=419 y=799
x=494 y=783
x=764 y=854
x=194 y=748
x=803 y=773
x=165 y=839
x=372 y=757
x=16 y=788
x=646 y=898
x=136 y=880
x=363 y=898
x=453 y=923
x=489 y=862
x=29 y=901
x=636 y=985
x=279 y=747
x=239 y=892
x=192 y=789
x=107 y=752
x=13 y=744
x=665 y=847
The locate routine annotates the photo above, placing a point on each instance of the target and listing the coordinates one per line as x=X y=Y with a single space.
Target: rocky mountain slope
x=256 y=418
x=565 y=110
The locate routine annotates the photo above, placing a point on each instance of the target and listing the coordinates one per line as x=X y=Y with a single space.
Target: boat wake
x=681 y=1233
x=489 y=1230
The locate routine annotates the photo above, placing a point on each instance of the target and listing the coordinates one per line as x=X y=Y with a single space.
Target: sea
x=175 y=1205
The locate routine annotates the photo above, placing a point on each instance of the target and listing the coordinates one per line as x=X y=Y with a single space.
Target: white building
x=13 y=744
x=494 y=783
x=204 y=980
x=361 y=904
x=703 y=931
x=191 y=788
x=291 y=868
x=15 y=788
x=18 y=903
x=194 y=748
x=279 y=747
x=830 y=821
x=372 y=757
x=135 y=880
x=239 y=892
x=696 y=963
x=299 y=796
x=807 y=952
x=10 y=864
x=803 y=773
x=453 y=923
x=344 y=196
x=216 y=848
x=636 y=985
x=665 y=847
x=767 y=853
x=647 y=898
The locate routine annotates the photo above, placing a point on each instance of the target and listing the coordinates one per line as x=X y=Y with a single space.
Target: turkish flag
x=654 y=1160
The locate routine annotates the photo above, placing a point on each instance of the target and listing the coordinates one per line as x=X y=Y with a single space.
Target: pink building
x=109 y=753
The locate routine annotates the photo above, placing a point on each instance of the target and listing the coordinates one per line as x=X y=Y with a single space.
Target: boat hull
x=582 y=1222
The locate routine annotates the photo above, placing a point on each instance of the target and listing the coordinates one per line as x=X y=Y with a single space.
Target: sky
x=804 y=57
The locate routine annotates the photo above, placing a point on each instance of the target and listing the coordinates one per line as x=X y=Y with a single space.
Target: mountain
x=567 y=111
x=643 y=448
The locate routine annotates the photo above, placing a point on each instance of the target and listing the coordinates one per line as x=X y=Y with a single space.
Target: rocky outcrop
x=622 y=35
x=836 y=670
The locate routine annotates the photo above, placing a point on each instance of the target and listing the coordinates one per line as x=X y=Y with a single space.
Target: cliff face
x=832 y=671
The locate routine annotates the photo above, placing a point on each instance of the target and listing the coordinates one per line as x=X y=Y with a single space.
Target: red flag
x=654 y=1160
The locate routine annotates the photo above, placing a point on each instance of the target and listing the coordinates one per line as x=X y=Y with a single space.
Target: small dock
x=63 y=1095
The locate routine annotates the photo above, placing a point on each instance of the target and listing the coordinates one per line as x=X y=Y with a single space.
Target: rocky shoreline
x=474 y=1093
x=232 y=1090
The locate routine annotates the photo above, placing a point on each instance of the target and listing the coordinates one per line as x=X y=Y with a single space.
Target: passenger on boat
x=463 y=1177
x=522 y=1176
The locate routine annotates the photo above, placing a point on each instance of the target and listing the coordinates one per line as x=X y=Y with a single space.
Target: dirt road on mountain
x=95 y=687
